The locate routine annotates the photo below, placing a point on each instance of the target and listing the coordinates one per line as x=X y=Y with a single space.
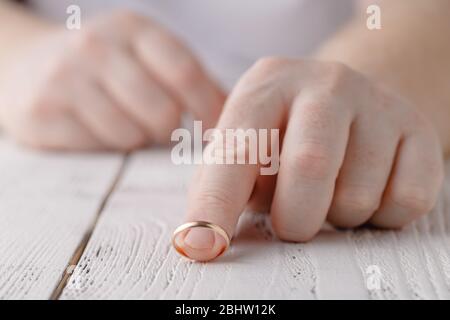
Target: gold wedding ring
x=199 y=224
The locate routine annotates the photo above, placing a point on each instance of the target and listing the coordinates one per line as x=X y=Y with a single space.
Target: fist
x=352 y=152
x=118 y=83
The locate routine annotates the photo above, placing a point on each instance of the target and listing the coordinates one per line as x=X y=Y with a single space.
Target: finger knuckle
x=336 y=76
x=59 y=72
x=137 y=139
x=415 y=199
x=436 y=170
x=215 y=198
x=138 y=82
x=264 y=76
x=415 y=119
x=129 y=144
x=312 y=161
x=24 y=135
x=41 y=108
x=289 y=234
x=268 y=65
x=165 y=129
x=319 y=115
x=188 y=73
x=34 y=142
x=336 y=70
x=89 y=40
x=357 y=201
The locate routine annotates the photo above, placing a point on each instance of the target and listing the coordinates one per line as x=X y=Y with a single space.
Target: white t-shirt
x=229 y=35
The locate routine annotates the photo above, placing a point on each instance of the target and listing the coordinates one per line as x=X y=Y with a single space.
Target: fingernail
x=200 y=241
x=200 y=238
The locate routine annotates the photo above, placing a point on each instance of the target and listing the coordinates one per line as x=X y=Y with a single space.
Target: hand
x=118 y=83
x=353 y=152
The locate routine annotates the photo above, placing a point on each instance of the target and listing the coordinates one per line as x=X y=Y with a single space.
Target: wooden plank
x=48 y=202
x=130 y=256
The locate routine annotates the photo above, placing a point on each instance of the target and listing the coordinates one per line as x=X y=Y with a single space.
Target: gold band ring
x=200 y=224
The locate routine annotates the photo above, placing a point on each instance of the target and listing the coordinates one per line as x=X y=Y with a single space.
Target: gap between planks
x=85 y=240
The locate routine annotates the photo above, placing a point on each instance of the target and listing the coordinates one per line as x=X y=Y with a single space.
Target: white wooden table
x=79 y=226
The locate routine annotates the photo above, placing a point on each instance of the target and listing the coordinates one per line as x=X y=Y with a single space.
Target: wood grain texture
x=130 y=256
x=47 y=203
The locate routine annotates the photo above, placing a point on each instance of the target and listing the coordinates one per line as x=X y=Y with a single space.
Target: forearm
x=17 y=29
x=410 y=54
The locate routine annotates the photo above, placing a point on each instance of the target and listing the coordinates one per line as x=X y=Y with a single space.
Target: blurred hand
x=352 y=153
x=119 y=83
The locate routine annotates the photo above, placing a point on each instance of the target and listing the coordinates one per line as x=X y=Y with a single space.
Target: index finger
x=221 y=191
